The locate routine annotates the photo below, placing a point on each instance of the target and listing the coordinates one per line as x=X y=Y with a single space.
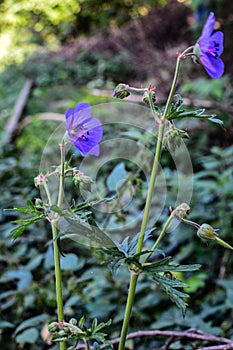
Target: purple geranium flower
x=209 y=49
x=84 y=131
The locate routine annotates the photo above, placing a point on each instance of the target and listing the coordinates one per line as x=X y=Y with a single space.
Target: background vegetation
x=69 y=51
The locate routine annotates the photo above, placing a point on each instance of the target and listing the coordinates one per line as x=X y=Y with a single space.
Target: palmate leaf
x=37 y=215
x=169 y=285
x=125 y=252
x=177 y=113
x=167 y=264
x=18 y=231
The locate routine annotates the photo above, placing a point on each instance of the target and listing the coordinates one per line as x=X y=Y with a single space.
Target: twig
x=12 y=123
x=190 y=334
x=218 y=347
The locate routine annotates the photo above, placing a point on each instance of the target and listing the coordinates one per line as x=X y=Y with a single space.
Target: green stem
x=58 y=279
x=47 y=192
x=87 y=345
x=162 y=233
x=57 y=261
x=151 y=187
x=62 y=175
x=133 y=277
x=129 y=304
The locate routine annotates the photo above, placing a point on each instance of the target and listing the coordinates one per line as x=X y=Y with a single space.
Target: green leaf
x=167 y=264
x=101 y=325
x=31 y=322
x=72 y=262
x=175 y=295
x=179 y=103
x=117 y=175
x=125 y=252
x=31 y=204
x=216 y=121
x=154 y=271
x=96 y=346
x=18 y=231
x=81 y=322
x=177 y=113
x=6 y=324
x=28 y=336
x=37 y=215
x=23 y=278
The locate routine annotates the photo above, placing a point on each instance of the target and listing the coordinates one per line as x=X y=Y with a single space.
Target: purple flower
x=209 y=49
x=84 y=131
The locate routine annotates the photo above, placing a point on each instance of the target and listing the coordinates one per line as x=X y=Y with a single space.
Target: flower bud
x=207 y=232
x=39 y=205
x=145 y=97
x=121 y=91
x=73 y=321
x=39 y=180
x=173 y=137
x=53 y=327
x=182 y=211
x=82 y=180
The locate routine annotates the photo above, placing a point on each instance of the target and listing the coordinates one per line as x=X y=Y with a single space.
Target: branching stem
x=161 y=123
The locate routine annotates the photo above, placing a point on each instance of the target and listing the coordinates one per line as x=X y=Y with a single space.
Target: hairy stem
x=133 y=277
x=162 y=233
x=129 y=304
x=57 y=261
x=87 y=345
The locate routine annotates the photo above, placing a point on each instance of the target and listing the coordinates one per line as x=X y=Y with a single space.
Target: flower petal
x=69 y=114
x=217 y=38
x=82 y=113
x=209 y=26
x=95 y=151
x=84 y=131
x=94 y=128
x=213 y=66
x=85 y=147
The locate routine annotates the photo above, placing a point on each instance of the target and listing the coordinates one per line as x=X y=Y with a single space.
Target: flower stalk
x=57 y=262
x=161 y=123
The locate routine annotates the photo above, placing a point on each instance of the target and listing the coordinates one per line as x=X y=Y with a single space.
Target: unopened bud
x=146 y=97
x=39 y=180
x=80 y=178
x=121 y=91
x=39 y=205
x=53 y=327
x=207 y=232
x=73 y=321
x=182 y=211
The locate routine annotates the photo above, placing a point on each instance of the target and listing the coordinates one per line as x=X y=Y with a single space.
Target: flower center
x=81 y=133
x=213 y=50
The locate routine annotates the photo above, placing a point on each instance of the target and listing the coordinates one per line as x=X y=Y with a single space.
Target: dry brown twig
x=195 y=334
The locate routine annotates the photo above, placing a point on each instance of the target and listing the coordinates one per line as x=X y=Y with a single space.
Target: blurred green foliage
x=26 y=26
x=27 y=296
